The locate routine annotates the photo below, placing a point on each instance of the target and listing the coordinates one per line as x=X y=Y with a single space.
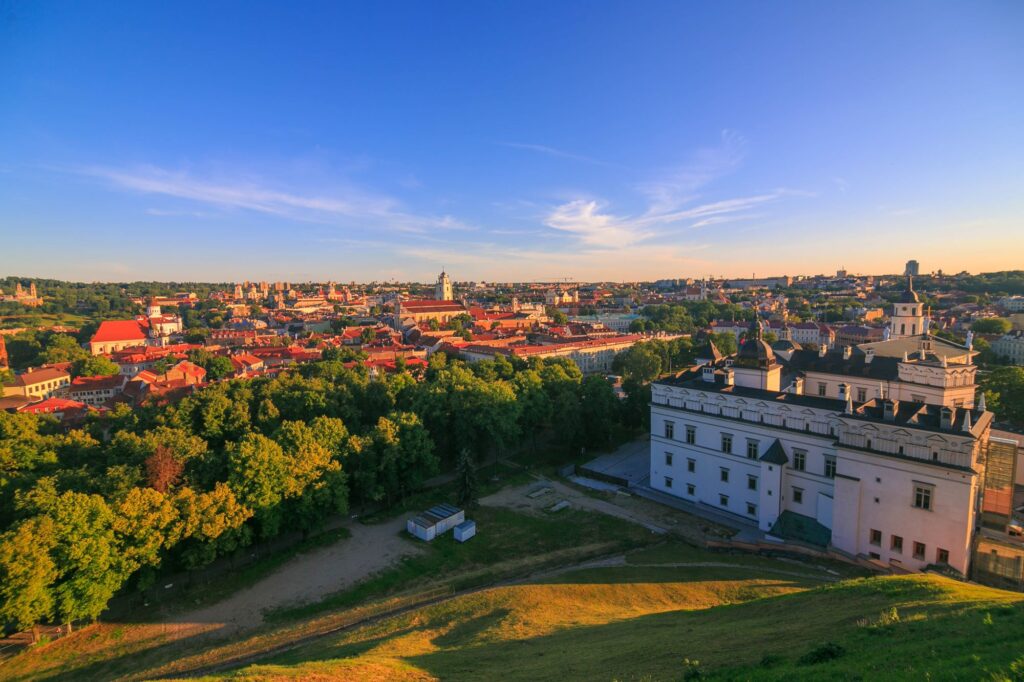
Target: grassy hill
x=672 y=622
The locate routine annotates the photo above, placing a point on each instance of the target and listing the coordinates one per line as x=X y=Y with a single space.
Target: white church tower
x=907 y=313
x=443 y=289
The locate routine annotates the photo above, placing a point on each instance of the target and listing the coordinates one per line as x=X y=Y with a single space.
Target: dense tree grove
x=689 y=317
x=1004 y=394
x=87 y=513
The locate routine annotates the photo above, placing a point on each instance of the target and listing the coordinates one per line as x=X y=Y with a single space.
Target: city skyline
x=508 y=144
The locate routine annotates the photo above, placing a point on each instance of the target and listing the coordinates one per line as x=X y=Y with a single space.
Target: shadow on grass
x=464 y=633
x=751 y=637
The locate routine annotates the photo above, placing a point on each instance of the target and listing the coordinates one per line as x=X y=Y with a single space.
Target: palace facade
x=876 y=451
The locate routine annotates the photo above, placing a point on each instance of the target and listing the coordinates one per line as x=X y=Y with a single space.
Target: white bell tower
x=443 y=289
x=907 y=314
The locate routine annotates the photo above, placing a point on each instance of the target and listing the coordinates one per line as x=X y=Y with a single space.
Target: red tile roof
x=118 y=330
x=430 y=306
x=52 y=405
x=96 y=383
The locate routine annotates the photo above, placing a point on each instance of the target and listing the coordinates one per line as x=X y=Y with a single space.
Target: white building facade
x=871 y=474
x=1010 y=346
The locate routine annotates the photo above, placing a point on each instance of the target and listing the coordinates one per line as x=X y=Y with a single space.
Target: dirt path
x=308 y=577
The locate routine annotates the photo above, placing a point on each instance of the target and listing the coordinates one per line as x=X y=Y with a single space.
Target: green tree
x=259 y=476
x=1004 y=394
x=94 y=365
x=146 y=523
x=725 y=342
x=534 y=404
x=466 y=480
x=599 y=408
x=27 y=572
x=87 y=555
x=642 y=362
x=991 y=325
x=211 y=522
x=556 y=315
x=62 y=348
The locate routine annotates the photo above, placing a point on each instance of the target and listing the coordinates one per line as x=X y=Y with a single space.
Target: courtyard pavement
x=631 y=462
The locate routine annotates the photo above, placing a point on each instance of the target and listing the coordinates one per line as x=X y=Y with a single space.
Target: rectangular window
x=798 y=495
x=896 y=544
x=876 y=537
x=727 y=443
x=917 y=398
x=942 y=556
x=691 y=489
x=691 y=434
x=751 y=482
x=668 y=459
x=862 y=395
x=799 y=460
x=723 y=475
x=919 y=550
x=751 y=448
x=668 y=482
x=822 y=388
x=751 y=509
x=670 y=429
x=923 y=497
x=723 y=500
x=830 y=466
x=691 y=465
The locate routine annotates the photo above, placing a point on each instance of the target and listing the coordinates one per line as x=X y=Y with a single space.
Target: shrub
x=770 y=660
x=889 y=617
x=828 y=651
x=692 y=670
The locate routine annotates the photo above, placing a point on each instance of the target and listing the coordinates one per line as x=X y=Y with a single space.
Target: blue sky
x=514 y=140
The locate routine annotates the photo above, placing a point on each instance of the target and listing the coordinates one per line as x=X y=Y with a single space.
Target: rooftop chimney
x=981 y=402
x=889 y=410
x=730 y=377
x=869 y=355
x=822 y=349
x=708 y=373
x=847 y=352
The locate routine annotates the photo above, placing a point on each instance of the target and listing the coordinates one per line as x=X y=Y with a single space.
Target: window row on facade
x=723 y=499
x=919 y=550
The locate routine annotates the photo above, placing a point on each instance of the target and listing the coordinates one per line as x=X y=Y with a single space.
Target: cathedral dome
x=755 y=351
x=909 y=295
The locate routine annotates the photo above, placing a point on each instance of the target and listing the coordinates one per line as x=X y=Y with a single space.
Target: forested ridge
x=88 y=513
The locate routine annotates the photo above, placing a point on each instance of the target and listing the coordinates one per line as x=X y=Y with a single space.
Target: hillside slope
x=655 y=623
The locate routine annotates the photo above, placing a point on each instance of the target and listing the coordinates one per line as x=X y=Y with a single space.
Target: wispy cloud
x=673 y=201
x=586 y=220
x=344 y=202
x=559 y=153
x=677 y=186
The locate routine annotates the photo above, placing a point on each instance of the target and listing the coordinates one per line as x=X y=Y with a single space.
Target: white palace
x=876 y=450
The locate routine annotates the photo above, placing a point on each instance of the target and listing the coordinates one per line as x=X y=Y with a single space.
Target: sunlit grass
x=642 y=623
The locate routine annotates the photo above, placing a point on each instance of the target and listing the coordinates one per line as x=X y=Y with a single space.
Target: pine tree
x=465 y=475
